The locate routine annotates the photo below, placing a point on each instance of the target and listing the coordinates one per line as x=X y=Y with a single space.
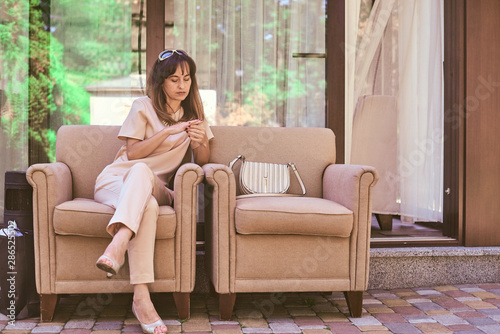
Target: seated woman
x=158 y=131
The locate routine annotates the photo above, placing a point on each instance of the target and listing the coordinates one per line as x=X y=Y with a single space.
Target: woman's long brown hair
x=192 y=105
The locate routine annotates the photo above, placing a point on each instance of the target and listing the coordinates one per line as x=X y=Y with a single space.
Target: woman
x=158 y=131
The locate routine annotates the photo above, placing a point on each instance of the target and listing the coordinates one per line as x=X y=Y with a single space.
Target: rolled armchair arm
x=52 y=185
x=220 y=192
x=351 y=185
x=186 y=180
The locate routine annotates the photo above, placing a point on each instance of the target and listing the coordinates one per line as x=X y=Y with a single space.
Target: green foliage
x=46 y=66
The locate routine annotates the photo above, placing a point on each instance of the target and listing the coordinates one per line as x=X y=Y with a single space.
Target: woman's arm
x=138 y=149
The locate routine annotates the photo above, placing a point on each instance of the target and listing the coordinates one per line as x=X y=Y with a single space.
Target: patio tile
x=432 y=328
x=333 y=317
x=470 y=314
x=284 y=327
x=376 y=310
x=461 y=328
x=256 y=330
x=407 y=310
x=365 y=321
x=254 y=323
x=405 y=328
x=445 y=288
x=495 y=301
x=395 y=302
x=449 y=320
x=490 y=329
x=438 y=312
x=316 y=331
x=344 y=328
x=308 y=321
x=374 y=328
x=419 y=318
x=20 y=325
x=226 y=327
x=301 y=312
x=47 y=329
x=457 y=293
x=428 y=292
x=428 y=306
x=477 y=322
x=485 y=295
x=80 y=324
x=479 y=304
x=387 y=318
x=107 y=325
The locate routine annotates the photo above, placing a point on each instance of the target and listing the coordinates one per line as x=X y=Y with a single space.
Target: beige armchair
x=69 y=226
x=319 y=242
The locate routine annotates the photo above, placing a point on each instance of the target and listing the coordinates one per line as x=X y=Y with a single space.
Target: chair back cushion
x=311 y=149
x=86 y=149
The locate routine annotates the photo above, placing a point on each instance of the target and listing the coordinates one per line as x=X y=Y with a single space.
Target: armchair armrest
x=186 y=180
x=52 y=185
x=350 y=185
x=343 y=183
x=220 y=230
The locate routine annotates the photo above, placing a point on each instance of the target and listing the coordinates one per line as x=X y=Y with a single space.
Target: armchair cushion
x=292 y=215
x=88 y=218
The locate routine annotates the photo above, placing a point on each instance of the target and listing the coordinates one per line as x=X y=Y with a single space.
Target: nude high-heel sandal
x=111 y=270
x=148 y=328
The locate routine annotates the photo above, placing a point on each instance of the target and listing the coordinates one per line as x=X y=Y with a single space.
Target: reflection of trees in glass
x=71 y=43
x=14 y=67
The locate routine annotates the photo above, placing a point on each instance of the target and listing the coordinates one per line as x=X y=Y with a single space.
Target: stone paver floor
x=462 y=309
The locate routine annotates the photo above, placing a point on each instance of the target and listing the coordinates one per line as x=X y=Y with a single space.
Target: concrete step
x=413 y=267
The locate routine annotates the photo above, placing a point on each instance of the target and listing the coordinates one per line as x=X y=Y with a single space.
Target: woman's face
x=177 y=85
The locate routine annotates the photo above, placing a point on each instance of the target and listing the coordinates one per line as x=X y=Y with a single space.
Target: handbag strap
x=296 y=172
x=231 y=164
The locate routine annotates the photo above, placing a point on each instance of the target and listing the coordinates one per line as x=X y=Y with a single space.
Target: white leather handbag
x=266 y=179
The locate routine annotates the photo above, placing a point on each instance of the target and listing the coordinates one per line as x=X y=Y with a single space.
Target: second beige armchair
x=319 y=242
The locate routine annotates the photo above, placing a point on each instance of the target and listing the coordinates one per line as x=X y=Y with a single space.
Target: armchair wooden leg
x=384 y=221
x=47 y=306
x=183 y=303
x=354 y=302
x=226 y=305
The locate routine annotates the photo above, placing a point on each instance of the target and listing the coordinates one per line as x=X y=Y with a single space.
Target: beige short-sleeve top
x=142 y=123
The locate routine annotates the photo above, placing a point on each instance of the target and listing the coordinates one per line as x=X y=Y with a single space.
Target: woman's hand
x=138 y=149
x=179 y=127
x=199 y=142
x=197 y=134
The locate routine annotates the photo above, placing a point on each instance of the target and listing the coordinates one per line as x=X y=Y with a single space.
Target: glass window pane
x=14 y=79
x=101 y=47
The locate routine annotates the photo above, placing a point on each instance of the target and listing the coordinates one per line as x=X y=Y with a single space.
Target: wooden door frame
x=454 y=122
x=335 y=74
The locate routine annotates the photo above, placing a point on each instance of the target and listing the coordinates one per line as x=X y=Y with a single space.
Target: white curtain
x=421 y=109
x=244 y=51
x=400 y=54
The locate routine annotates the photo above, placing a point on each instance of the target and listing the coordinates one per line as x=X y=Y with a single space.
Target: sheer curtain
x=244 y=51
x=421 y=108
x=400 y=54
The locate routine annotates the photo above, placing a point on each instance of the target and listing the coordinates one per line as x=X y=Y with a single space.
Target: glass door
x=260 y=63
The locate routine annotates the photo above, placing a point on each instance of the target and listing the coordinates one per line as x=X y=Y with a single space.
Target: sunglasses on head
x=167 y=53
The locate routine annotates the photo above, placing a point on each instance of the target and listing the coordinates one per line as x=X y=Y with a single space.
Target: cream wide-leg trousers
x=136 y=198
